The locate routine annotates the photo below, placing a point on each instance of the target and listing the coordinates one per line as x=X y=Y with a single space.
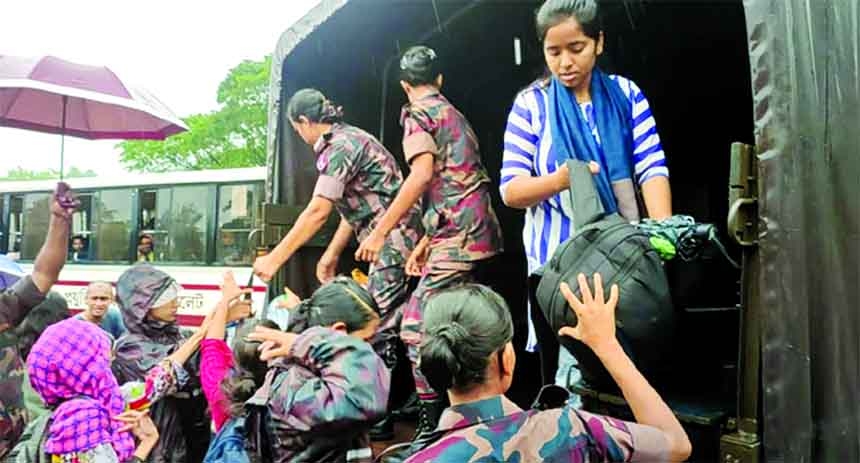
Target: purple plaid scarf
x=69 y=368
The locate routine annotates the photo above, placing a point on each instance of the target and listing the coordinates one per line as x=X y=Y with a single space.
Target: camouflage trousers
x=388 y=285
x=438 y=275
x=13 y=414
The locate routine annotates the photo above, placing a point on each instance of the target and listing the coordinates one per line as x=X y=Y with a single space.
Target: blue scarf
x=572 y=137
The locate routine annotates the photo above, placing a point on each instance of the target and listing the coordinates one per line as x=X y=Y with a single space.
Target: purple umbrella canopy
x=48 y=94
x=10 y=272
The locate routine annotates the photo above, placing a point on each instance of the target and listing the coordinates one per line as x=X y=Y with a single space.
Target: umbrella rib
x=15 y=99
x=85 y=108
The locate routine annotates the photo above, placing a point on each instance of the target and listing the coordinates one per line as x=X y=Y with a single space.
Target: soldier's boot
x=409 y=410
x=429 y=412
x=383 y=430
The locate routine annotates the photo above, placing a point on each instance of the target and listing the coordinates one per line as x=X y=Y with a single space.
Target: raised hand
x=595 y=315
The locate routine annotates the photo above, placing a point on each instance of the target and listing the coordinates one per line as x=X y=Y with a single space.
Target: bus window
x=16 y=215
x=113 y=215
x=154 y=220
x=4 y=241
x=79 y=244
x=188 y=223
x=236 y=215
x=177 y=220
x=34 y=223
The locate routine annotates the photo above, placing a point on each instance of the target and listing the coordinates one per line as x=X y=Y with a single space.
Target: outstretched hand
x=595 y=315
x=265 y=267
x=230 y=290
x=418 y=259
x=65 y=202
x=275 y=343
x=370 y=247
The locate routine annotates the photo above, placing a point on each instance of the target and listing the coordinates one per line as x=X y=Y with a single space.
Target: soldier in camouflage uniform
x=359 y=178
x=461 y=228
x=326 y=386
x=16 y=302
x=467 y=351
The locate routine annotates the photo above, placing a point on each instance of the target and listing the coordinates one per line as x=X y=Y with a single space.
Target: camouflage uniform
x=362 y=178
x=495 y=429
x=458 y=215
x=15 y=303
x=324 y=397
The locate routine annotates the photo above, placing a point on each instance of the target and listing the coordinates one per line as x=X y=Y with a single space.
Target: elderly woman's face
x=165 y=313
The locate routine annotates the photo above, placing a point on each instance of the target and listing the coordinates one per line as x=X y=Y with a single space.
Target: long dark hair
x=463 y=326
x=554 y=12
x=249 y=372
x=312 y=104
x=340 y=300
x=420 y=65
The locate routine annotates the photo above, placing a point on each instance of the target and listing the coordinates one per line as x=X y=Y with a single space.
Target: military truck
x=757 y=105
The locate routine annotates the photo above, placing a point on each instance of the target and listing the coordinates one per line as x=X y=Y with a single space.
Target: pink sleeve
x=215 y=362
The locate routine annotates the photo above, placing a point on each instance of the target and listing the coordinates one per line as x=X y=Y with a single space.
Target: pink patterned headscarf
x=69 y=368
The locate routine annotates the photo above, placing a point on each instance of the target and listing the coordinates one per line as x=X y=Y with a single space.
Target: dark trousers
x=547 y=339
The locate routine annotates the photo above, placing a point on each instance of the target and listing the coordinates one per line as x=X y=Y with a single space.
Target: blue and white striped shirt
x=528 y=140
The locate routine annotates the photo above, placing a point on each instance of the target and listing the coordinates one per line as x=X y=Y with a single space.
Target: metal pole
x=63 y=137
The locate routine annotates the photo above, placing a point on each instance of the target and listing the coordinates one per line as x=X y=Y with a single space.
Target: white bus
x=199 y=222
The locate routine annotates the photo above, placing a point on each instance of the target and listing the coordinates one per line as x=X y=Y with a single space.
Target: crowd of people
x=126 y=383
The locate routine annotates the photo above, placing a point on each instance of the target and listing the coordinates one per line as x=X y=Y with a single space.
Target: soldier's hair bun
x=463 y=327
x=312 y=104
x=420 y=65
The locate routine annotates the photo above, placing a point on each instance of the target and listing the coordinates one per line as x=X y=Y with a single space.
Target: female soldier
x=579 y=112
x=360 y=179
x=467 y=350
x=460 y=225
x=325 y=385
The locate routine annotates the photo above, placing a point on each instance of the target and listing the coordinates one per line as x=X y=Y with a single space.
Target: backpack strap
x=584 y=198
x=551 y=396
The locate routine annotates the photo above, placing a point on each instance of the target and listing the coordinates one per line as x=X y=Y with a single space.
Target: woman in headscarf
x=69 y=367
x=148 y=299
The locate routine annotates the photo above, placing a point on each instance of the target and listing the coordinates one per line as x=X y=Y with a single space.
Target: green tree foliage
x=232 y=136
x=19 y=173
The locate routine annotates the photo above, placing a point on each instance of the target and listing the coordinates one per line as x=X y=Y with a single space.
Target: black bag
x=623 y=255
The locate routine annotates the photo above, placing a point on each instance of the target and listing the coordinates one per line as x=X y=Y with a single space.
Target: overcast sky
x=180 y=50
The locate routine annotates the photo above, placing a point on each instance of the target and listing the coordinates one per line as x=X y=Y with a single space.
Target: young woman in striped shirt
x=578 y=112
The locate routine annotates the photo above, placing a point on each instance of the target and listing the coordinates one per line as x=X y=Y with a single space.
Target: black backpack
x=623 y=255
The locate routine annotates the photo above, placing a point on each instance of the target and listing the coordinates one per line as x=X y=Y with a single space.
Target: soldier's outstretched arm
x=420 y=176
x=327 y=265
x=52 y=256
x=310 y=221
